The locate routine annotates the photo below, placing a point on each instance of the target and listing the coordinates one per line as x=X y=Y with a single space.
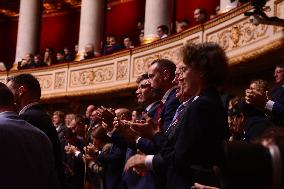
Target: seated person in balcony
x=38 y=61
x=140 y=26
x=141 y=38
x=76 y=49
x=27 y=62
x=139 y=30
x=216 y=13
x=68 y=56
x=127 y=42
x=181 y=25
x=113 y=46
x=60 y=57
x=48 y=56
x=200 y=15
x=162 y=31
x=89 y=52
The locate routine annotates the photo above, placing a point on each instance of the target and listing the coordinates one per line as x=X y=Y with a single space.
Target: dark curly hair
x=209 y=59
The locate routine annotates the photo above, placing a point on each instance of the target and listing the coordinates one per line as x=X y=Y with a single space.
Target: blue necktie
x=176 y=117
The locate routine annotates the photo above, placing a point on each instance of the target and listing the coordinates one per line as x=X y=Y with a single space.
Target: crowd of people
x=175 y=139
x=111 y=44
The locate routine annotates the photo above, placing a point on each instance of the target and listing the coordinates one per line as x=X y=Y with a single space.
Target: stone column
x=227 y=5
x=28 y=29
x=91 y=26
x=157 y=12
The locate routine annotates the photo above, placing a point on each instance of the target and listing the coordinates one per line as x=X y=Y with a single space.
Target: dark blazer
x=169 y=109
x=60 y=132
x=277 y=95
x=112 y=162
x=26 y=155
x=256 y=122
x=74 y=167
x=196 y=144
x=36 y=116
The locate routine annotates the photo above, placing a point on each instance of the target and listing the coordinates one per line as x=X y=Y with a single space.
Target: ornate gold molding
x=141 y=63
x=99 y=91
x=104 y=58
x=279 y=12
x=147 y=40
x=246 y=57
x=91 y=76
x=60 y=80
x=122 y=70
x=237 y=34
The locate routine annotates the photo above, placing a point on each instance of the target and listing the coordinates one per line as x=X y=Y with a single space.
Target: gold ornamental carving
x=45 y=82
x=235 y=35
x=122 y=70
x=59 y=82
x=91 y=76
x=141 y=64
x=279 y=12
x=238 y=35
x=194 y=40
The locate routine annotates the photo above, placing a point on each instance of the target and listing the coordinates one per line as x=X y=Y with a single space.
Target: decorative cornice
x=91 y=91
x=40 y=69
x=101 y=59
x=245 y=57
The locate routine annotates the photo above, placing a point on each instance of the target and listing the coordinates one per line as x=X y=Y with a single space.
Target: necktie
x=176 y=117
x=159 y=110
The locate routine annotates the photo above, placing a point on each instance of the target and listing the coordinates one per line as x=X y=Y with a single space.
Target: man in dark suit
x=27 y=92
x=26 y=161
x=273 y=103
x=196 y=143
x=161 y=74
x=58 y=122
x=146 y=97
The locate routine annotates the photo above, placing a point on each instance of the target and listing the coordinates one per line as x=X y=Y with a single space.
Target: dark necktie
x=176 y=118
x=159 y=110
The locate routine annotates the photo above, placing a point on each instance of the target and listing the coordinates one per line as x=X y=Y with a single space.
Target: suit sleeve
x=115 y=155
x=153 y=146
x=278 y=108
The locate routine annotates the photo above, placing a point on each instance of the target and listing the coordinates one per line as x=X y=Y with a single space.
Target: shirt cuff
x=148 y=162
x=269 y=105
x=109 y=134
x=77 y=153
x=137 y=140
